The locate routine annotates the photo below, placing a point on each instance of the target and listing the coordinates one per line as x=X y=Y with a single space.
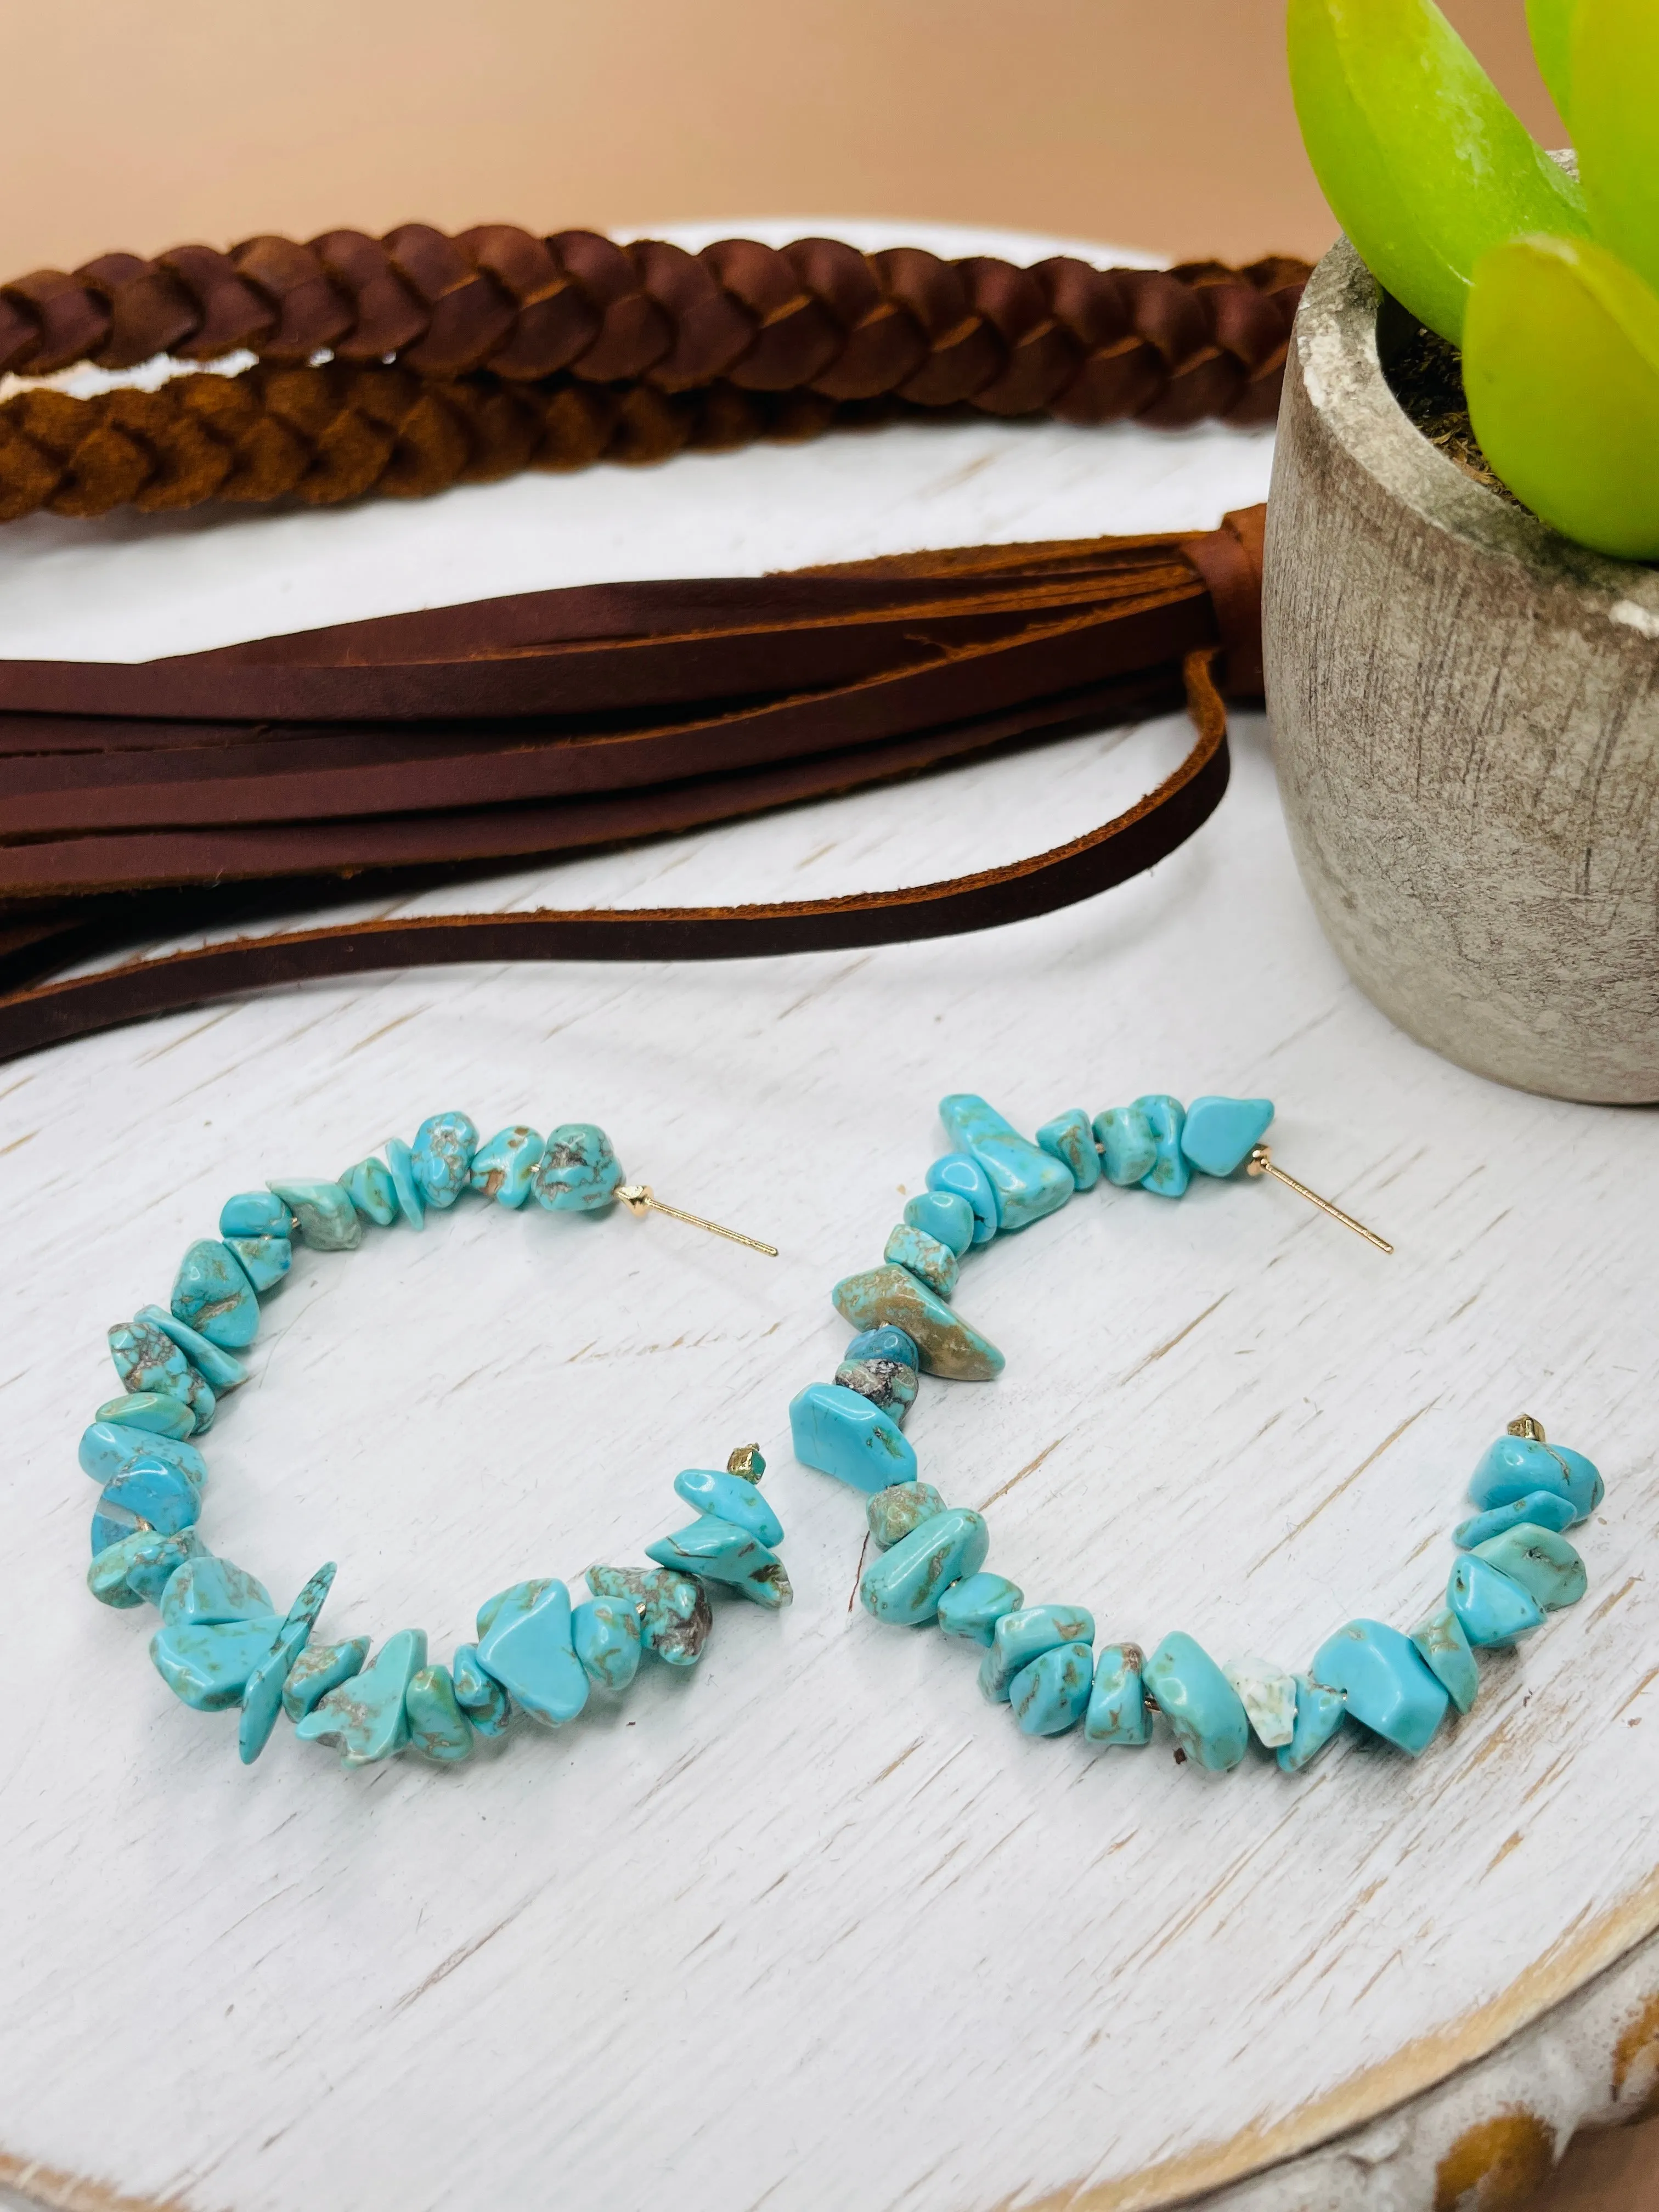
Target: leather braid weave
x=1084 y=344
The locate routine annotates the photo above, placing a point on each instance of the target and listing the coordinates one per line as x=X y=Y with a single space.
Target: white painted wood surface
x=812 y=1926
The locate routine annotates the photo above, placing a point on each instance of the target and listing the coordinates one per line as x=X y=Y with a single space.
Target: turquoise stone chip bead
x=207 y=1666
x=1021 y=1636
x=729 y=1497
x=927 y=1258
x=943 y=1215
x=675 y=1618
x=715 y=1552
x=1028 y=1182
x=972 y=1607
x=524 y=1641
x=959 y=1175
x=1544 y=1508
x=1544 y=1564
x=320 y=1668
x=884 y=1343
x=1513 y=1466
x=1267 y=1694
x=438 y=1728
x=1116 y=1711
x=577 y=1172
x=887 y=1383
x=264 y=1259
x=255 y=1213
x=211 y=1295
x=840 y=1432
x=505 y=1168
x=137 y=1568
x=1052 y=1694
x=890 y=1514
x=262 y=1694
x=372 y=1192
x=1128 y=1150
x=480 y=1696
x=109 y=1448
x=154 y=1412
x=220 y=1369
x=1318 y=1715
x=1491 y=1609
x=309 y=1603
x=364 y=1719
x=324 y=1215
x=1205 y=1712
x=605 y=1632
x=1168 y=1174
x=1070 y=1139
x=1220 y=1134
x=904 y=1586
x=206 y=1592
x=149 y=1491
x=411 y=1201
x=948 y=1345
x=441 y=1157
x=151 y=1365
x=1445 y=1649
x=1389 y=1686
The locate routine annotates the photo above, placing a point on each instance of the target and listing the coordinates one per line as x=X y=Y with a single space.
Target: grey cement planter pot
x=1465 y=715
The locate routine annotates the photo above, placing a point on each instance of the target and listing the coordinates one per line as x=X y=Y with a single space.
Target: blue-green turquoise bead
x=1205 y=1712
x=1025 y=1635
x=438 y=1728
x=412 y=1200
x=264 y=1259
x=109 y=1448
x=1128 y=1150
x=842 y=1434
x=1543 y=1508
x=1319 y=1714
x=605 y=1632
x=1220 y=1134
x=941 y=1213
x=890 y=1514
x=1028 y=1182
x=1512 y=1467
x=579 y=1172
x=927 y=1258
x=1445 y=1648
x=884 y=1343
x=1491 y=1608
x=137 y=1568
x=524 y=1641
x=149 y=1491
x=904 y=1586
x=1390 y=1687
x=729 y=1497
x=675 y=1618
x=948 y=1345
x=207 y=1667
x=309 y=1603
x=262 y=1694
x=320 y=1668
x=151 y=1411
x=151 y=1365
x=480 y=1696
x=255 y=1213
x=372 y=1192
x=206 y=1592
x=505 y=1168
x=1052 y=1694
x=887 y=1383
x=441 y=1157
x=322 y=1214
x=1166 y=1118
x=972 y=1607
x=211 y=1295
x=365 y=1718
x=1544 y=1564
x=959 y=1175
x=222 y=1368
x=715 y=1551
x=1116 y=1712
x=1070 y=1139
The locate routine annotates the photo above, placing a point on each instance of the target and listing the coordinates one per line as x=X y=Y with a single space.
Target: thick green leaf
x=1550 y=22
x=1615 y=79
x=1423 y=165
x=1561 y=366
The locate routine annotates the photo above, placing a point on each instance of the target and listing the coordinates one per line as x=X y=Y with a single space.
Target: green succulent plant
x=1549 y=285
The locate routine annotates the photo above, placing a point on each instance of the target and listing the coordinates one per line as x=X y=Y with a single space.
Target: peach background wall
x=1162 y=123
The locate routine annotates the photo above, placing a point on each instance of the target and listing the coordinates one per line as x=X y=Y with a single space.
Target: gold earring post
x=1261 y=1162
x=640 y=1200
